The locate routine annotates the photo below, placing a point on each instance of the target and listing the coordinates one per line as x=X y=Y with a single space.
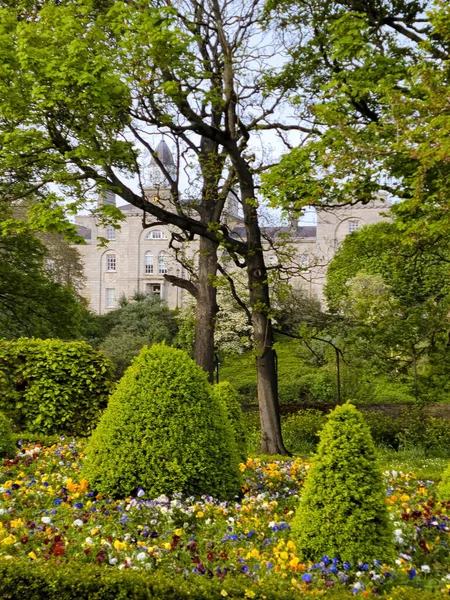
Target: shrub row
x=301 y=429
x=19 y=580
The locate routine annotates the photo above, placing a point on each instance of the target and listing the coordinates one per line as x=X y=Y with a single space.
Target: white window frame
x=148 y=263
x=154 y=289
x=110 y=298
x=111 y=263
x=353 y=226
x=110 y=233
x=304 y=261
x=162 y=263
x=156 y=234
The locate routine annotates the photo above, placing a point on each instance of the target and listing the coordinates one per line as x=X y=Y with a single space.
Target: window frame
x=110 y=300
x=110 y=231
x=162 y=264
x=149 y=263
x=111 y=258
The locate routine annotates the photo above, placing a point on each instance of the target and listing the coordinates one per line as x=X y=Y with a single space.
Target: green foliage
x=444 y=486
x=49 y=581
x=301 y=430
x=229 y=398
x=163 y=431
x=50 y=386
x=30 y=293
x=7 y=443
x=343 y=511
x=143 y=320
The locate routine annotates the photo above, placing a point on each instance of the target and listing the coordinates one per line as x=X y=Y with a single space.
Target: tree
x=343 y=512
x=372 y=77
x=145 y=320
x=29 y=296
x=116 y=78
x=394 y=300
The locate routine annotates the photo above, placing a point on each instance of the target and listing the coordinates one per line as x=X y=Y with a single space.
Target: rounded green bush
x=51 y=386
x=163 y=431
x=342 y=512
x=7 y=444
x=226 y=394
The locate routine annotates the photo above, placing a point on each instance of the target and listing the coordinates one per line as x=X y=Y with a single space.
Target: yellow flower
x=242 y=467
x=11 y=539
x=249 y=594
x=16 y=523
x=118 y=545
x=199 y=515
x=167 y=545
x=32 y=555
x=178 y=532
x=224 y=593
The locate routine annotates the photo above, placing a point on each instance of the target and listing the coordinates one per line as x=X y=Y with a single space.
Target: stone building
x=137 y=258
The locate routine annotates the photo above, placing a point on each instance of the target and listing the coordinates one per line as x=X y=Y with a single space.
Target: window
x=353 y=226
x=162 y=266
x=110 y=262
x=154 y=288
x=148 y=264
x=110 y=298
x=110 y=233
x=156 y=234
x=304 y=261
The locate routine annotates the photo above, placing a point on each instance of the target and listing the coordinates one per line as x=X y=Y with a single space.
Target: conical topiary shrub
x=444 y=486
x=7 y=444
x=229 y=398
x=343 y=512
x=163 y=431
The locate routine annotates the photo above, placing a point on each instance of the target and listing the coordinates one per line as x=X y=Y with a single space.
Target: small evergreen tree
x=343 y=510
x=7 y=445
x=163 y=431
x=444 y=486
x=229 y=398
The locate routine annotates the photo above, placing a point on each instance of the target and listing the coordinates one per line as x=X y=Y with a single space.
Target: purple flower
x=307 y=578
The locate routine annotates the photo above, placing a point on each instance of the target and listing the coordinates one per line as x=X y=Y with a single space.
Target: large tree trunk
x=269 y=411
x=206 y=307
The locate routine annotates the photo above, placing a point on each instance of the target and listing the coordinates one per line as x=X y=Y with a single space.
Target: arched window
x=162 y=266
x=156 y=234
x=148 y=263
x=111 y=262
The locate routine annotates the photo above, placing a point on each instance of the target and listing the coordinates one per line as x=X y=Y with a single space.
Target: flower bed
x=48 y=515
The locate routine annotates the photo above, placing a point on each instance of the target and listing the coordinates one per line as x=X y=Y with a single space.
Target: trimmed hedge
x=50 y=386
x=7 y=443
x=163 y=431
x=229 y=398
x=20 y=580
x=342 y=512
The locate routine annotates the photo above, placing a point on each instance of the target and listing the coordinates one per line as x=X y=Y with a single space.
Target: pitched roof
x=302 y=231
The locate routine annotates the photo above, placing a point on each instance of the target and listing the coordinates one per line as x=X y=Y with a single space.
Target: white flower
x=77 y=523
x=89 y=541
x=425 y=569
x=140 y=493
x=141 y=556
x=113 y=561
x=46 y=520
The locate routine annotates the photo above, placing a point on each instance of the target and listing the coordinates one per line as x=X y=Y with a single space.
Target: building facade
x=136 y=258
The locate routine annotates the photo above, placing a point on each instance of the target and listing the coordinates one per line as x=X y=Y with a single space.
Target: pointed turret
x=156 y=176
